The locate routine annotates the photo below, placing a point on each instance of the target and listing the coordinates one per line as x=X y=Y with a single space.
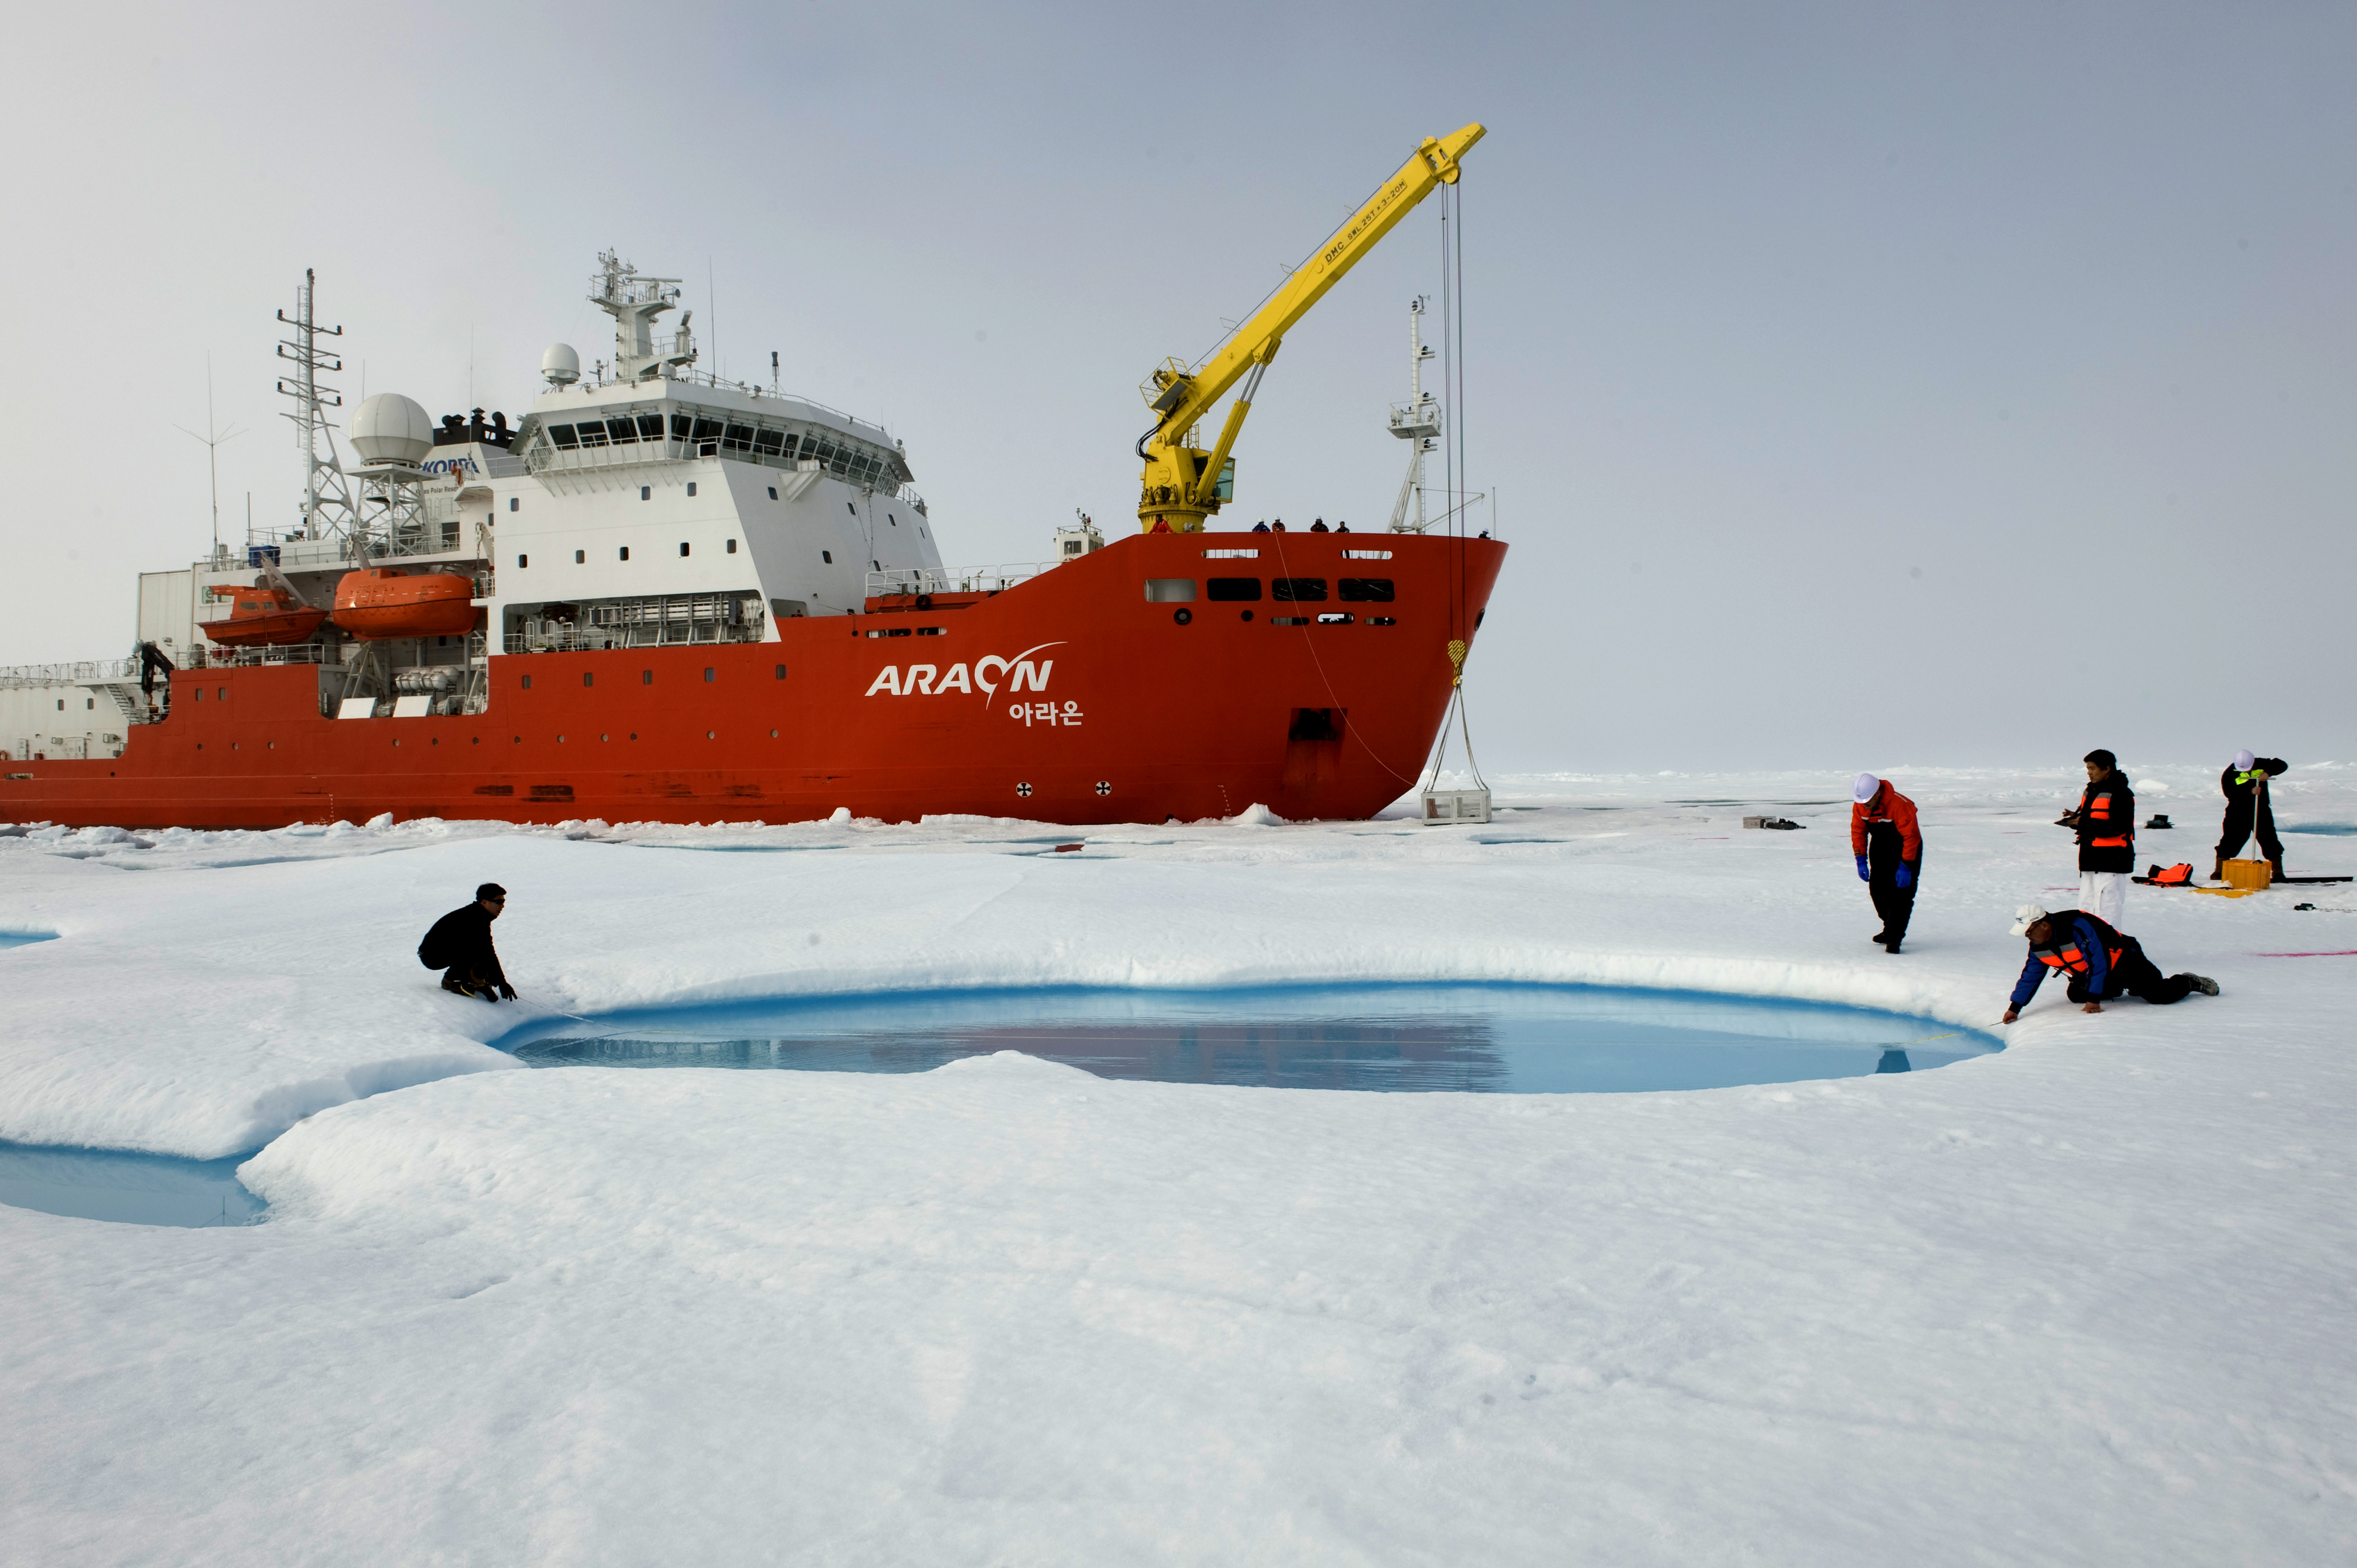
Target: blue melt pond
x=2336 y=828
x=18 y=939
x=137 y=1189
x=1483 y=1039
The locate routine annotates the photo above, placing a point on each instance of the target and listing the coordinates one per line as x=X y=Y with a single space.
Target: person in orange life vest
x=2105 y=824
x=2243 y=783
x=1888 y=844
x=2102 y=965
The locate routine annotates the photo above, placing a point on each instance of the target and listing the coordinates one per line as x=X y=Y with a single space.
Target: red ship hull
x=1069 y=698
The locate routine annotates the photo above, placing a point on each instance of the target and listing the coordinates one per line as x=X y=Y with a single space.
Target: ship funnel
x=391 y=429
x=560 y=367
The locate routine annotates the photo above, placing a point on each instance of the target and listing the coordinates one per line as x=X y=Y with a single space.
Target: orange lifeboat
x=382 y=601
x=262 y=617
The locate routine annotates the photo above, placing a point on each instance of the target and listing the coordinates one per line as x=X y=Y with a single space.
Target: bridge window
x=1300 y=590
x=562 y=435
x=680 y=424
x=770 y=441
x=1234 y=588
x=650 y=427
x=738 y=438
x=707 y=430
x=622 y=432
x=1365 y=590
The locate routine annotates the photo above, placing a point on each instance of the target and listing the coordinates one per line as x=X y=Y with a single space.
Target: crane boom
x=1182 y=485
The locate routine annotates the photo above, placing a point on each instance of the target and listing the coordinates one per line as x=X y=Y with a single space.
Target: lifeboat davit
x=263 y=618
x=384 y=601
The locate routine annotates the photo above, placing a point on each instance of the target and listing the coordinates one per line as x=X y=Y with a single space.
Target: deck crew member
x=1884 y=835
x=2105 y=825
x=2100 y=964
x=2243 y=783
x=460 y=945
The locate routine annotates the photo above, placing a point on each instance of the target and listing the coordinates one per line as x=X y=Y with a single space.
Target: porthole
x=773 y=735
x=580 y=557
x=712 y=735
x=773 y=492
x=707 y=674
x=476 y=738
x=682 y=547
x=560 y=740
x=513 y=503
x=626 y=554
x=646 y=678
x=1182 y=616
x=1247 y=615
x=605 y=737
x=522 y=561
x=732 y=547
x=781 y=671
x=827 y=556
x=527 y=682
x=852 y=509
x=691 y=487
x=645 y=493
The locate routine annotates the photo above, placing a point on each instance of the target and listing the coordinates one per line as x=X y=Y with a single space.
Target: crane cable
x=1452 y=374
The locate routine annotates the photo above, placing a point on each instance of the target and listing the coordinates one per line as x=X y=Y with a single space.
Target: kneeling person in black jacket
x=460 y=945
x=2103 y=964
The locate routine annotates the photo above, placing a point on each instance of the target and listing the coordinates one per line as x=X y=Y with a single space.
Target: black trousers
x=1894 y=904
x=2136 y=975
x=2238 y=828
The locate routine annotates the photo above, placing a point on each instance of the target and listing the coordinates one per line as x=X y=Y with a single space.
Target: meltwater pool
x=1487 y=1040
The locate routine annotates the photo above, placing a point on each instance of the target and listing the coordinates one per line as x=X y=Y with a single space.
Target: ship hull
x=1073 y=697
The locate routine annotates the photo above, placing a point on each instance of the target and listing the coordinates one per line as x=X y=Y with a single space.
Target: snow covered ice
x=2085 y=1301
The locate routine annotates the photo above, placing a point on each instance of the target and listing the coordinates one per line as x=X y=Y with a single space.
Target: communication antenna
x=324 y=488
x=773 y=373
x=212 y=438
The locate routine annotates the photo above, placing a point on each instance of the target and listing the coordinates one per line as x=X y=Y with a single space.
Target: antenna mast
x=323 y=490
x=1417 y=421
x=212 y=438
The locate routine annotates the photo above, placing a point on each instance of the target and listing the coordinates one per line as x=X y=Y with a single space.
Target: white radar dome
x=389 y=428
x=561 y=367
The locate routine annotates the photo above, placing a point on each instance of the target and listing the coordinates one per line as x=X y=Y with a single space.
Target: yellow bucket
x=2250 y=876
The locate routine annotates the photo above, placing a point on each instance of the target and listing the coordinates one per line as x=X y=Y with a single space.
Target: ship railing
x=82 y=672
x=215 y=657
x=952 y=579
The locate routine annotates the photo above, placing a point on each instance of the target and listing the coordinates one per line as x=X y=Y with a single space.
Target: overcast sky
x=1861 y=385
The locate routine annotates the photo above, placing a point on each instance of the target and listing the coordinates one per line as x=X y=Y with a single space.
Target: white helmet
x=2244 y=761
x=1864 y=789
x=2026 y=917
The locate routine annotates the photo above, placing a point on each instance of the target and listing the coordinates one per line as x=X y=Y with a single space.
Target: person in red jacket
x=1888 y=844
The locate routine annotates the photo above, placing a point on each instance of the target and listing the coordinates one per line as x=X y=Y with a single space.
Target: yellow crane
x=1183 y=483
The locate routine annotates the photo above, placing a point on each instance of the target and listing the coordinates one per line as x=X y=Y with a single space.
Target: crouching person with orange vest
x=2099 y=964
x=1888 y=844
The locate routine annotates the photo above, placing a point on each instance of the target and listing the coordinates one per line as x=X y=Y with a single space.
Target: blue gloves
x=1861 y=868
x=1906 y=877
